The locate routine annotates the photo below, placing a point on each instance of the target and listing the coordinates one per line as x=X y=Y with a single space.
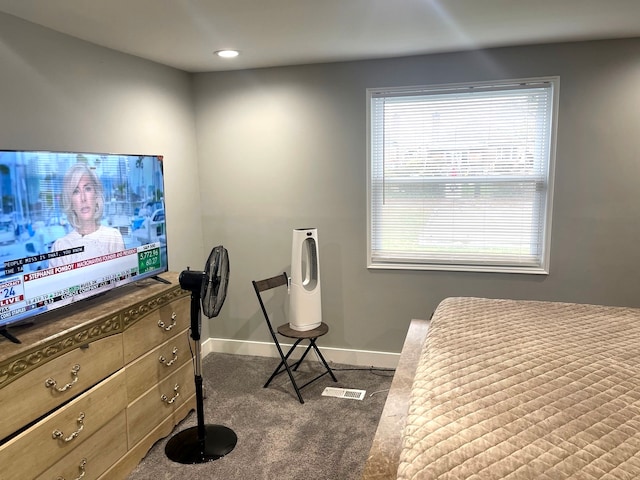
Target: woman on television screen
x=83 y=204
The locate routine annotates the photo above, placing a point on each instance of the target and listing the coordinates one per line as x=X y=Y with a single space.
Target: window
x=461 y=176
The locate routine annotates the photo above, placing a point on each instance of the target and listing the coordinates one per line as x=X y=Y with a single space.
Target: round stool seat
x=286 y=331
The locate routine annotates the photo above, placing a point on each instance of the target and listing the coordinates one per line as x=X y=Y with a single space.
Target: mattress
x=510 y=389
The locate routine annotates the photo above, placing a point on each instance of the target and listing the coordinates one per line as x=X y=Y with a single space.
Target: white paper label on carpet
x=344 y=393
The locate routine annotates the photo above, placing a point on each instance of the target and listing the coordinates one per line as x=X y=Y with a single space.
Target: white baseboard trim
x=364 y=358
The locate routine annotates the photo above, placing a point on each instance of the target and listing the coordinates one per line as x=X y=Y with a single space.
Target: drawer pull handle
x=58 y=435
x=169 y=401
x=169 y=327
x=51 y=383
x=83 y=464
x=168 y=363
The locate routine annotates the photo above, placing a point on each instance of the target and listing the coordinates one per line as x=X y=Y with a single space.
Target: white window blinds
x=460 y=176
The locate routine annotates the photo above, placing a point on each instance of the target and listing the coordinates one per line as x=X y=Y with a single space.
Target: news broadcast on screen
x=74 y=225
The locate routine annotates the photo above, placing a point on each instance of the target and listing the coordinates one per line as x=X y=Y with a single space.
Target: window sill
x=459 y=268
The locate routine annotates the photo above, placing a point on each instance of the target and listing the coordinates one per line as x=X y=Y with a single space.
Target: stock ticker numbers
x=149 y=260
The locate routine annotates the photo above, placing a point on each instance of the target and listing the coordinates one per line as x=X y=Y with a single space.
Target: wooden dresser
x=93 y=386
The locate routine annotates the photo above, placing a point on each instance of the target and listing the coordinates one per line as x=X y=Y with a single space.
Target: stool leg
x=284 y=363
x=326 y=365
x=297 y=364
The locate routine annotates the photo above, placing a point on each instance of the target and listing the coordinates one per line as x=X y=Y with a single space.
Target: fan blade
x=216 y=278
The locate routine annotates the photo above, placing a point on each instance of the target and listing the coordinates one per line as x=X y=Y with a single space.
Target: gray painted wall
x=250 y=155
x=59 y=93
x=285 y=147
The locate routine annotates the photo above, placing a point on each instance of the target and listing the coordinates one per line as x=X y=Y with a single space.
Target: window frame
x=407 y=264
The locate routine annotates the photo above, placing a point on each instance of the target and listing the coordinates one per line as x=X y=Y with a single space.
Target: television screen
x=73 y=225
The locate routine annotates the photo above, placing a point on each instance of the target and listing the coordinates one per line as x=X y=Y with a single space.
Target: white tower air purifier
x=305 y=307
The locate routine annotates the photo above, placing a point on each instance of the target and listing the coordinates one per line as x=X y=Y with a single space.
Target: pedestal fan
x=203 y=443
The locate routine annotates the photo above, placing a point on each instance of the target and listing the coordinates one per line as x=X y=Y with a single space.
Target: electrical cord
x=372 y=369
x=379 y=391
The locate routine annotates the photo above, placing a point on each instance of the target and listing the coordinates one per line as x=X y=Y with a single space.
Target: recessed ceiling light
x=227 y=53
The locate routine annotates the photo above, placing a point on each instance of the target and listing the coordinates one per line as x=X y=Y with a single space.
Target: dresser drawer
x=58 y=381
x=158 y=364
x=95 y=455
x=121 y=469
x=159 y=403
x=155 y=328
x=63 y=431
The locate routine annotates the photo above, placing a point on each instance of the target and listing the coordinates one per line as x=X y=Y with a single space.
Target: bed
x=508 y=389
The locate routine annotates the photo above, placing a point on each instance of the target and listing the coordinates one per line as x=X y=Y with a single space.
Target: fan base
x=185 y=447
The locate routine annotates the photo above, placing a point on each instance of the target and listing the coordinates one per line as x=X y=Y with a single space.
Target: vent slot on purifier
x=309 y=264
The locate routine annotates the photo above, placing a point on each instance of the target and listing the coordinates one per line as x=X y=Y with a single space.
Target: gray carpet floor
x=325 y=438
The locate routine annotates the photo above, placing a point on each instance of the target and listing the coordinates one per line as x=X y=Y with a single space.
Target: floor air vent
x=344 y=393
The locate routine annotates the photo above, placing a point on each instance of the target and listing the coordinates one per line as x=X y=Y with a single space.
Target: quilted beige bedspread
x=526 y=390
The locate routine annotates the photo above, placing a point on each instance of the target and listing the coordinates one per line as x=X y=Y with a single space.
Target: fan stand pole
x=202 y=443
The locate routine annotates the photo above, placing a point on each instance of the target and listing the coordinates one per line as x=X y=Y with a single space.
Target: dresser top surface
x=58 y=323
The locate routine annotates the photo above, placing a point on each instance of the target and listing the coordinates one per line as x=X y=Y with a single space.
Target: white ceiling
x=185 y=33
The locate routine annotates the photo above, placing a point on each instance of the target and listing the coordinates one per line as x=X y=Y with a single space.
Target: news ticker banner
x=43 y=287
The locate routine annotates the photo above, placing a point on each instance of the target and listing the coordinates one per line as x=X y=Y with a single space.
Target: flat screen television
x=74 y=225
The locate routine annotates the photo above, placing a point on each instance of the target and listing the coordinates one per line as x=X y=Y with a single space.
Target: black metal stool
x=299 y=336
